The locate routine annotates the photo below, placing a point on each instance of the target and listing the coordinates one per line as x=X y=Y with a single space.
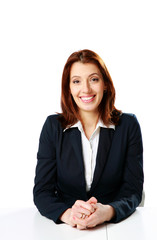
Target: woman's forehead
x=83 y=69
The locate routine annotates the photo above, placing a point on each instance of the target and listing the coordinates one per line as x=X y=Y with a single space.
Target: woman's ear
x=105 y=89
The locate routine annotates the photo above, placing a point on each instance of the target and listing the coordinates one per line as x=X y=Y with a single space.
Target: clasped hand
x=88 y=214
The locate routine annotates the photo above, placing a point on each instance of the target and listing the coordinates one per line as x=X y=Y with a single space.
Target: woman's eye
x=95 y=79
x=76 y=81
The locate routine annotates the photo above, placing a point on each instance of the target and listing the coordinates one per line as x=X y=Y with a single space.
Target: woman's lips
x=86 y=99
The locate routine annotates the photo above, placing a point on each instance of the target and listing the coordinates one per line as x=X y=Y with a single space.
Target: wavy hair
x=107 y=111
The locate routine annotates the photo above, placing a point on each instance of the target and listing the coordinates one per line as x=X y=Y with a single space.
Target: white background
x=36 y=38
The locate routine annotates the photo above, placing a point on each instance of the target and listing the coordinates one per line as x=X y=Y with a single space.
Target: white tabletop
x=142 y=225
x=21 y=224
x=28 y=224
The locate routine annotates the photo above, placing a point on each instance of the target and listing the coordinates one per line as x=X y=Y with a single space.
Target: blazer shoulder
x=54 y=119
x=128 y=119
x=51 y=126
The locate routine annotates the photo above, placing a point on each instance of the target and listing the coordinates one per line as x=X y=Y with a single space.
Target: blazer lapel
x=77 y=145
x=105 y=140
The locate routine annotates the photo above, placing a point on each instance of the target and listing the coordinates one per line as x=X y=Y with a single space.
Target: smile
x=87 y=99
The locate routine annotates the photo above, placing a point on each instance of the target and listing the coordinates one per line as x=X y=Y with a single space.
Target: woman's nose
x=86 y=87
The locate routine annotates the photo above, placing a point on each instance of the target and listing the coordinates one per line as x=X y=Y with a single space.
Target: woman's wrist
x=65 y=215
x=111 y=212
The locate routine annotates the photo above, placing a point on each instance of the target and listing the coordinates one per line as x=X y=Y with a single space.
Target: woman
x=90 y=166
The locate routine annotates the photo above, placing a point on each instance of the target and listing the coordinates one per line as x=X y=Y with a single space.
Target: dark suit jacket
x=118 y=176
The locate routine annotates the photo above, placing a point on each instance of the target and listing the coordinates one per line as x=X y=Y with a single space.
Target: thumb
x=92 y=200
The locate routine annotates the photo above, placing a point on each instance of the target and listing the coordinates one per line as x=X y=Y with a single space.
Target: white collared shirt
x=89 y=148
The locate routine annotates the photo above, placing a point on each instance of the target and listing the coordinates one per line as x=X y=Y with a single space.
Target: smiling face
x=86 y=86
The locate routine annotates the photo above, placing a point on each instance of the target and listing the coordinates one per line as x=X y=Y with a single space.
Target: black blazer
x=118 y=176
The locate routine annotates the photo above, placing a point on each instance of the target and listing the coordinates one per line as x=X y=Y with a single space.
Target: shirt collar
x=99 y=124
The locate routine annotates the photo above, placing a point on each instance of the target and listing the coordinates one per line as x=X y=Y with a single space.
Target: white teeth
x=87 y=98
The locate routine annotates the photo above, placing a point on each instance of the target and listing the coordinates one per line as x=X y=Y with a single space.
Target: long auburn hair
x=107 y=111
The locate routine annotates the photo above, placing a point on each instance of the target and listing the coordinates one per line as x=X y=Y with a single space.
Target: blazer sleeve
x=44 y=191
x=130 y=194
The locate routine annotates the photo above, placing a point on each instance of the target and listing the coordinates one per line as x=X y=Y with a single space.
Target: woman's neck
x=89 y=121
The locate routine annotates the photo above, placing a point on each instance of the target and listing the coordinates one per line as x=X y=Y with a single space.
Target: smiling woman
x=88 y=72
x=90 y=157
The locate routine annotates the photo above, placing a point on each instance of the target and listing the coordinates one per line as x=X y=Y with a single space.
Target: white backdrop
x=36 y=38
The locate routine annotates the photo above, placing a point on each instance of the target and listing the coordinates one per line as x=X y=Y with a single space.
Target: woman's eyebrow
x=75 y=77
x=93 y=74
x=88 y=76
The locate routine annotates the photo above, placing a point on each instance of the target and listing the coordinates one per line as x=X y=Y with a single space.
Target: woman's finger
x=90 y=221
x=83 y=204
x=80 y=210
x=92 y=200
x=79 y=215
x=80 y=227
x=83 y=207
